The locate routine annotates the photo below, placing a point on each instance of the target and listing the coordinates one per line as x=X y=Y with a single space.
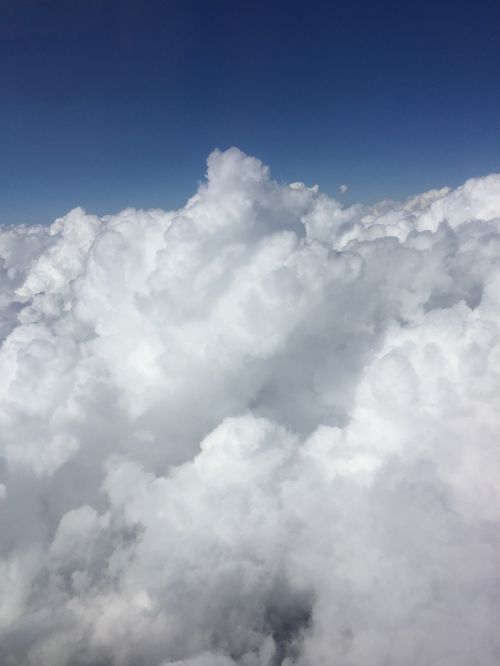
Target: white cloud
x=259 y=430
x=343 y=188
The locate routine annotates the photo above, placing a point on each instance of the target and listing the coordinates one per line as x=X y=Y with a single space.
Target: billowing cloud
x=260 y=430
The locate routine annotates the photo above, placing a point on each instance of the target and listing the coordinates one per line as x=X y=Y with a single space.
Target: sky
x=118 y=103
x=245 y=420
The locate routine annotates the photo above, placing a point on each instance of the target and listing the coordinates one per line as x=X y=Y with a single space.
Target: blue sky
x=112 y=103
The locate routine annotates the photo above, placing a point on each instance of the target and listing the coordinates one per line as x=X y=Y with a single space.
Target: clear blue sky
x=112 y=103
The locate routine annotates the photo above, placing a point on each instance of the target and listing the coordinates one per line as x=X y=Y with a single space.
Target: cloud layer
x=260 y=430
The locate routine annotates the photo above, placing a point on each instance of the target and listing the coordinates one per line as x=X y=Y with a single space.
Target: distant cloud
x=260 y=430
x=343 y=189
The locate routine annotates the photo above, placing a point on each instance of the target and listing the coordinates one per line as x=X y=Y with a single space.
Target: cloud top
x=259 y=430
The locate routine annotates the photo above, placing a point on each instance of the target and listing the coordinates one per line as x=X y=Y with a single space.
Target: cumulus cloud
x=260 y=430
